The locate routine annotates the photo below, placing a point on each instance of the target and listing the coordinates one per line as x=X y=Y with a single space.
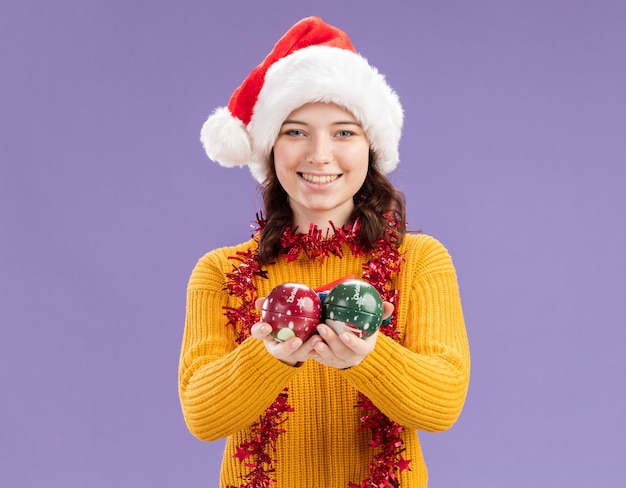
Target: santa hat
x=312 y=62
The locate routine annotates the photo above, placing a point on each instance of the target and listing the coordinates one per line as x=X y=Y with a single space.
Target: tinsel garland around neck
x=384 y=263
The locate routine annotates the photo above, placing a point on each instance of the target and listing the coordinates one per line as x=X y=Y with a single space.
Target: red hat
x=312 y=62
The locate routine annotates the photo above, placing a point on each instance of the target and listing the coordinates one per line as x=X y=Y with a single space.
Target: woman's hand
x=292 y=351
x=345 y=350
x=341 y=351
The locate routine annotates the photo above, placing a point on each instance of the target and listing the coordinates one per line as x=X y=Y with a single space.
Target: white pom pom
x=225 y=139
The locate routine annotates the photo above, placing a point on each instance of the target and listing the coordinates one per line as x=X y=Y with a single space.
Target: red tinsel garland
x=265 y=432
x=378 y=270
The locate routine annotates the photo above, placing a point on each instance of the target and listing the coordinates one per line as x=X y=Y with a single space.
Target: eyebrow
x=338 y=122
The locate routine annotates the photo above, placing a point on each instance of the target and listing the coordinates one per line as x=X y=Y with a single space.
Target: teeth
x=319 y=179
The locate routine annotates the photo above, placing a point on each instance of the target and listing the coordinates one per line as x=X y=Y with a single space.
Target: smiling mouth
x=318 y=179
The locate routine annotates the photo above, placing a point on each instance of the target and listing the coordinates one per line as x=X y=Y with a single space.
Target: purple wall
x=513 y=155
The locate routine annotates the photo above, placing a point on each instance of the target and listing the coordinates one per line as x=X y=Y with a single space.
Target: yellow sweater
x=420 y=383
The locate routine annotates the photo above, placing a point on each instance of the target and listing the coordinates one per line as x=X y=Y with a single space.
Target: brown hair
x=376 y=198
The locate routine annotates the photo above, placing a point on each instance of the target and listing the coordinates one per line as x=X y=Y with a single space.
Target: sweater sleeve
x=223 y=388
x=422 y=382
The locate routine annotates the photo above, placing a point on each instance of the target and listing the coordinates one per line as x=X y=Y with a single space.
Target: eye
x=344 y=133
x=294 y=133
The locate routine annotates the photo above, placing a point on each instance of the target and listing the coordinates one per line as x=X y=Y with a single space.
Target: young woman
x=319 y=128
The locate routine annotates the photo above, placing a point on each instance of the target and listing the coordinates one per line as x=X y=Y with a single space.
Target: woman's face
x=321 y=157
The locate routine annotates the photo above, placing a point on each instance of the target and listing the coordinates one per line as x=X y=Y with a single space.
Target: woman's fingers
x=341 y=351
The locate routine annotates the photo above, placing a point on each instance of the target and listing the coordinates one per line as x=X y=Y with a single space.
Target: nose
x=320 y=150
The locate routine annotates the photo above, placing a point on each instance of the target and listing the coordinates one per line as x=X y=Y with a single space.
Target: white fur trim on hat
x=225 y=139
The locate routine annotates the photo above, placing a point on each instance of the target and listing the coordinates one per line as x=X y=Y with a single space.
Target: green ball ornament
x=353 y=305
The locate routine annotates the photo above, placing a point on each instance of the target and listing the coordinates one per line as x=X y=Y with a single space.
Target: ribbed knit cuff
x=220 y=401
x=264 y=368
x=375 y=368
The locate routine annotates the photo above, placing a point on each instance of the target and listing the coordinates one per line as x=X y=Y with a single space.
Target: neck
x=322 y=220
